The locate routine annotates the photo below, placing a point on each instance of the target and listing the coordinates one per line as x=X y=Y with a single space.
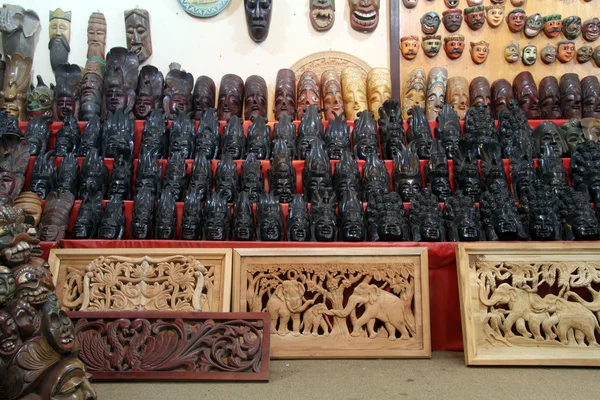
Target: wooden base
x=171 y=346
x=530 y=303
x=338 y=303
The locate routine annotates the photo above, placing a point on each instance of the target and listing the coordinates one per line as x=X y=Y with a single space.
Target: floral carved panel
x=174 y=345
x=142 y=280
x=327 y=303
x=530 y=305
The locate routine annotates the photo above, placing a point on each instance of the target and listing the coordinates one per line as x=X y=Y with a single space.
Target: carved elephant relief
x=379 y=305
x=287 y=302
x=313 y=319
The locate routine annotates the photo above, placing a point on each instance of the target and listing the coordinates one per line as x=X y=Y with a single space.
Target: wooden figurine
x=59 y=29
x=96 y=36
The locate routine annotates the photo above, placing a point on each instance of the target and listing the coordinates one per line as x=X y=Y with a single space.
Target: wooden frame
x=174 y=346
x=530 y=303
x=346 y=289
x=211 y=289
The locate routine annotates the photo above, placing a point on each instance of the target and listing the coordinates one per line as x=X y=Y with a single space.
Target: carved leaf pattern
x=120 y=283
x=176 y=345
x=37 y=358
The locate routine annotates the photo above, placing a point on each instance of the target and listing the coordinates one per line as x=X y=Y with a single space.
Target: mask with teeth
x=549 y=54
x=57 y=327
x=451 y=3
x=430 y=22
x=7 y=285
x=534 y=25
x=33 y=282
x=322 y=14
x=410 y=3
x=529 y=55
x=364 y=14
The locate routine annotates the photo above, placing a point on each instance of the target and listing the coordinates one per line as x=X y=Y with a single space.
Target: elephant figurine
x=313 y=319
x=379 y=305
x=287 y=302
x=20 y=30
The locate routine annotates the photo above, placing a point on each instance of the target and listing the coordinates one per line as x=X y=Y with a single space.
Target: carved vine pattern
x=325 y=306
x=142 y=345
x=539 y=303
x=117 y=283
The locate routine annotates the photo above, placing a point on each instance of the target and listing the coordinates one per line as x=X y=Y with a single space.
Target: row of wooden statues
x=553 y=99
x=38 y=345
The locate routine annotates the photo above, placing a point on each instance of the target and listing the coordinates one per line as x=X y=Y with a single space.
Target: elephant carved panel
x=327 y=303
x=530 y=305
x=142 y=280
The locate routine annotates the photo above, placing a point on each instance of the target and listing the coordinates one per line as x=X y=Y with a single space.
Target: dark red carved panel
x=127 y=346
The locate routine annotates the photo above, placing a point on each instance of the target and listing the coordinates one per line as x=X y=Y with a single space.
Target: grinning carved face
x=529 y=55
x=534 y=25
x=591 y=29
x=430 y=22
x=584 y=54
x=494 y=15
x=364 y=14
x=322 y=14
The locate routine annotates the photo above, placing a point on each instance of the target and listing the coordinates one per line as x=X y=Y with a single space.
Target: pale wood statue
x=536 y=306
x=143 y=280
x=326 y=306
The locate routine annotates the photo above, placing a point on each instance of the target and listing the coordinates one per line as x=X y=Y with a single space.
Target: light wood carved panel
x=328 y=60
x=496 y=67
x=530 y=304
x=142 y=279
x=338 y=303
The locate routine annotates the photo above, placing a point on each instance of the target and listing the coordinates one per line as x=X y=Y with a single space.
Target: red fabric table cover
x=446 y=332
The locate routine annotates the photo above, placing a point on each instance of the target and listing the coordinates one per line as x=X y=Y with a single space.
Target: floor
x=443 y=377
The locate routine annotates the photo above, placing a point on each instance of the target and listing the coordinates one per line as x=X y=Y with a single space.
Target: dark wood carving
x=128 y=346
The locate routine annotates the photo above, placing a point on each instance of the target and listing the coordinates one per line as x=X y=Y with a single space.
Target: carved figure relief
x=535 y=309
x=357 y=308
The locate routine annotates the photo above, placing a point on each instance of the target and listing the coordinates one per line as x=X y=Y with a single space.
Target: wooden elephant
x=313 y=319
x=379 y=305
x=287 y=302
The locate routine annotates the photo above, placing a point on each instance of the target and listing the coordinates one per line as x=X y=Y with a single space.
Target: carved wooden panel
x=530 y=304
x=142 y=279
x=128 y=346
x=336 y=303
x=328 y=60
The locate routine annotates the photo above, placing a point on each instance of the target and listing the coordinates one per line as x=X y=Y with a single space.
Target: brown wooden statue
x=66 y=92
x=60 y=37
x=526 y=93
x=96 y=36
x=16 y=83
x=120 y=80
x=178 y=91
x=457 y=95
x=413 y=91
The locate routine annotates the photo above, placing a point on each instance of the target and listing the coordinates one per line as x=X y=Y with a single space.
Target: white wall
x=217 y=45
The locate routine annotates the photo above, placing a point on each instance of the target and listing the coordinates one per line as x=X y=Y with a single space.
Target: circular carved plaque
x=204 y=8
x=327 y=60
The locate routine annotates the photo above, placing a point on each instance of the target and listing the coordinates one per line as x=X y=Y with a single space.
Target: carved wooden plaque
x=530 y=304
x=328 y=60
x=338 y=303
x=125 y=346
x=142 y=279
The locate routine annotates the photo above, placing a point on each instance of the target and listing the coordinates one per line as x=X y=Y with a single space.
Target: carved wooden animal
x=313 y=319
x=287 y=302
